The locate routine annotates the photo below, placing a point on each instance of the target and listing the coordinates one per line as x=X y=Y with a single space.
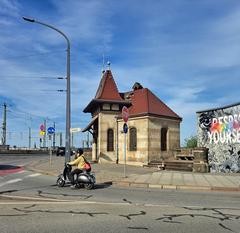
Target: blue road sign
x=51 y=130
x=125 y=128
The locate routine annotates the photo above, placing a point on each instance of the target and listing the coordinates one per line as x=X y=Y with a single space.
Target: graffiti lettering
x=225 y=129
x=224 y=137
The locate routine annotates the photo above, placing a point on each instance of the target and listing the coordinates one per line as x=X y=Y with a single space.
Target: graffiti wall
x=219 y=130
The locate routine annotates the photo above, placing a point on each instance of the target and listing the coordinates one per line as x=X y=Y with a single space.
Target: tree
x=190 y=142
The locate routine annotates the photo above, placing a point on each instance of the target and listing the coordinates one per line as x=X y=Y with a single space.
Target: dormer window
x=115 y=107
x=106 y=106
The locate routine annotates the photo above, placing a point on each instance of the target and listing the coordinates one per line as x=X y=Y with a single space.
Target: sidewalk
x=147 y=177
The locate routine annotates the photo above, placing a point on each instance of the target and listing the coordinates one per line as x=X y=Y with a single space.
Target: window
x=133 y=139
x=115 y=107
x=164 y=139
x=106 y=107
x=110 y=140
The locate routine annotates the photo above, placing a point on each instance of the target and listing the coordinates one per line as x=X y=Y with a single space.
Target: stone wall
x=148 y=138
x=141 y=155
x=106 y=121
x=219 y=130
x=173 y=137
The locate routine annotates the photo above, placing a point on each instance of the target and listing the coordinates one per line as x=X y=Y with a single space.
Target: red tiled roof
x=107 y=89
x=145 y=102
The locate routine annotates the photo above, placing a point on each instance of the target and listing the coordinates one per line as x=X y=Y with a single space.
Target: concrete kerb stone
x=123 y=183
x=194 y=188
x=159 y=186
x=166 y=186
x=139 y=185
x=225 y=189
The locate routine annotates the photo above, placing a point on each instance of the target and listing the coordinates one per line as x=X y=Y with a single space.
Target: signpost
x=42 y=133
x=51 y=130
x=125 y=115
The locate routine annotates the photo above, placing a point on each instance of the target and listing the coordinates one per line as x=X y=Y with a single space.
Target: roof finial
x=108 y=63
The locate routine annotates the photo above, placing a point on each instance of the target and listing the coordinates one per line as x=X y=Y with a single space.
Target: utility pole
x=4 y=124
x=45 y=134
x=88 y=139
x=61 y=139
x=54 y=136
x=29 y=137
x=72 y=139
x=30 y=134
x=68 y=96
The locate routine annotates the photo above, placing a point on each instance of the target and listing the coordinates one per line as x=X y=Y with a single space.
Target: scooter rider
x=79 y=162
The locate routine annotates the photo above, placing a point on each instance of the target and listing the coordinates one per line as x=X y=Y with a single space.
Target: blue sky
x=187 y=52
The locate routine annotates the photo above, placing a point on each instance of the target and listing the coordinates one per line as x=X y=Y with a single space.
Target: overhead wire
x=33 y=55
x=31 y=77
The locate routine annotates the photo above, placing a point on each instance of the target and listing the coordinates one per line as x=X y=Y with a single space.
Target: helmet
x=80 y=151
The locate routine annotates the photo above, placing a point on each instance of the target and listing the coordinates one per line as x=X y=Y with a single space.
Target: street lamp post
x=68 y=98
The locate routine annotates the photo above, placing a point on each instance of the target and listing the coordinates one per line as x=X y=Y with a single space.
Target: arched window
x=110 y=140
x=133 y=139
x=164 y=139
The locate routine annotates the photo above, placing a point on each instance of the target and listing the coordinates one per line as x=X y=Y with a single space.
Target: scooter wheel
x=79 y=185
x=88 y=186
x=60 y=182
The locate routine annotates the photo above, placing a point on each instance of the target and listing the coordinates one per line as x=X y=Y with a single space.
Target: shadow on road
x=8 y=167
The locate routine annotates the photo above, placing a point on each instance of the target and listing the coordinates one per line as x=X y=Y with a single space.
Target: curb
x=175 y=187
x=149 y=185
x=105 y=182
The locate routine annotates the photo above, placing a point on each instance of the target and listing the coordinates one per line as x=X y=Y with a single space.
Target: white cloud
x=9 y=8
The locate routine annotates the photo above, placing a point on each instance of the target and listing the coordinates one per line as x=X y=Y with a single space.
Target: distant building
x=154 y=129
x=219 y=130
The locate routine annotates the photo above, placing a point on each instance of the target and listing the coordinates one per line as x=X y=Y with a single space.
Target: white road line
x=20 y=172
x=10 y=182
x=34 y=175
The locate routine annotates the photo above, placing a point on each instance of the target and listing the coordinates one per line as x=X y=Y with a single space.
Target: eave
x=95 y=102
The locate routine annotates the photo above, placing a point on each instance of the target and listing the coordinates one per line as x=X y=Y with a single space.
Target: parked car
x=61 y=151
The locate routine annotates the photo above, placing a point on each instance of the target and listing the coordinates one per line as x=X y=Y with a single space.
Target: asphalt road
x=31 y=202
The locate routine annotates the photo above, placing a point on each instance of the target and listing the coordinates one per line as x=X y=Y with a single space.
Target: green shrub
x=190 y=142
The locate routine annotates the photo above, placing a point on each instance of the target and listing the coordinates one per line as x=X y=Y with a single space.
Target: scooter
x=84 y=179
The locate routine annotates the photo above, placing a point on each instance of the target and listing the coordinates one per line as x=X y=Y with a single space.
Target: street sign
x=42 y=127
x=42 y=133
x=75 y=130
x=125 y=114
x=51 y=130
x=125 y=128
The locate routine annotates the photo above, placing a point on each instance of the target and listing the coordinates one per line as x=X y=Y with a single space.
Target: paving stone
x=189 y=180
x=213 y=181
x=166 y=178
x=177 y=179
x=225 y=182
x=200 y=180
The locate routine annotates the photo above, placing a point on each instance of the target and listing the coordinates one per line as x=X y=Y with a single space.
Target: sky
x=187 y=52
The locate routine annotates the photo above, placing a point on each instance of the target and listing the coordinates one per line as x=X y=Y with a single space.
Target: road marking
x=10 y=171
x=34 y=175
x=10 y=182
x=20 y=172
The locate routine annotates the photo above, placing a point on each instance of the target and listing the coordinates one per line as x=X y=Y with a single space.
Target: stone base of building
x=201 y=167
